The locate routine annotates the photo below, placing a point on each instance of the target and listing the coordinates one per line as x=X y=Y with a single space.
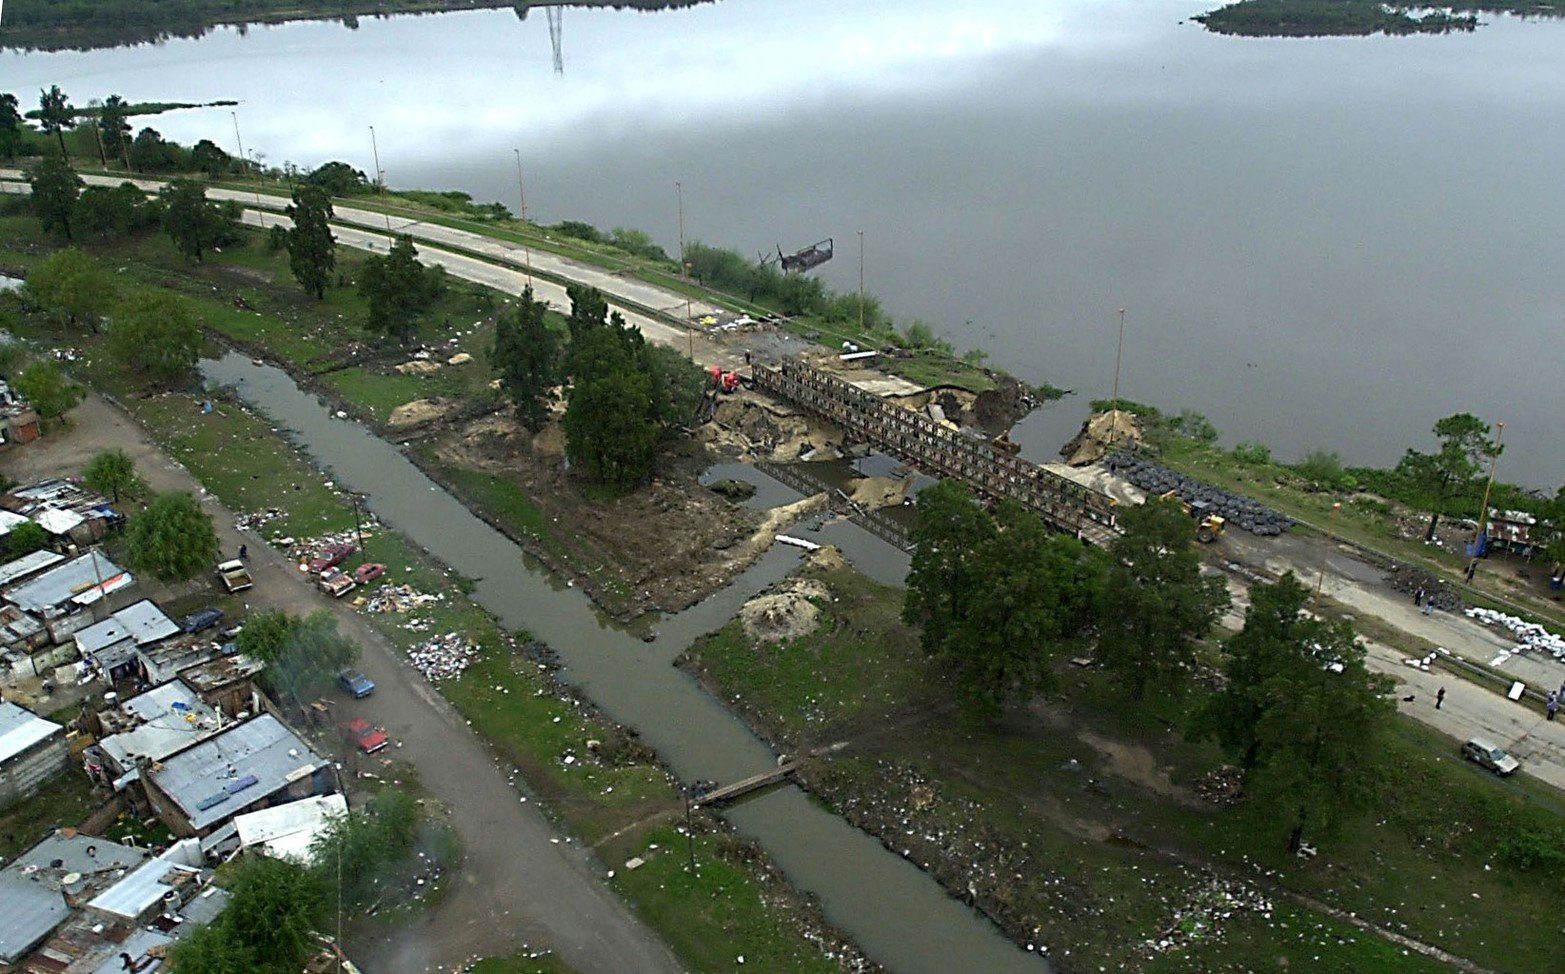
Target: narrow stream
x=900 y=916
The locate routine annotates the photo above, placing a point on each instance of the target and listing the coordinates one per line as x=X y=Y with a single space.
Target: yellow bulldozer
x=1209 y=525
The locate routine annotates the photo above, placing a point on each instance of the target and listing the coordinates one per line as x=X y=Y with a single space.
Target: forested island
x=1349 y=18
x=86 y=24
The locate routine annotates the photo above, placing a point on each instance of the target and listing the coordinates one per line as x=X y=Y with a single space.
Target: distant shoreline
x=1361 y=18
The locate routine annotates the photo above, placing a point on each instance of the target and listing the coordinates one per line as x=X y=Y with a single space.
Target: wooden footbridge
x=940 y=450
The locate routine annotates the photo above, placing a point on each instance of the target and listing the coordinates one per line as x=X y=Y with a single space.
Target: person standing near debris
x=1418 y=595
x=244 y=552
x=1551 y=704
x=1472 y=569
x=1429 y=606
x=1439 y=697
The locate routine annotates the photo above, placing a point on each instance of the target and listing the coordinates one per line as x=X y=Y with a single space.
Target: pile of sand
x=418 y=412
x=785 y=612
x=877 y=492
x=1115 y=426
x=418 y=366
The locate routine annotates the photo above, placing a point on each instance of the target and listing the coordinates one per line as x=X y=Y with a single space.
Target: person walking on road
x=1418 y=595
x=1551 y=705
x=1439 y=697
x=244 y=551
x=1472 y=569
x=1429 y=606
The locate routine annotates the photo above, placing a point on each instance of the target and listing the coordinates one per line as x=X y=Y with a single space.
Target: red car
x=368 y=572
x=331 y=556
x=365 y=735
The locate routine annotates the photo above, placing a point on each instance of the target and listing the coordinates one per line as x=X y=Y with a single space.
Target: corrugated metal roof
x=144 y=888
x=101 y=635
x=28 y=564
x=261 y=746
x=20 y=729
x=75 y=853
x=9 y=520
x=286 y=831
x=172 y=717
x=76 y=581
x=28 y=913
x=136 y=945
x=146 y=622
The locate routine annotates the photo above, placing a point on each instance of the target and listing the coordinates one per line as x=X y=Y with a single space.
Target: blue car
x=355 y=684
x=202 y=620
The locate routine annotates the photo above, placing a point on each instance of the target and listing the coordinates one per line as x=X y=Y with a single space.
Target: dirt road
x=520 y=884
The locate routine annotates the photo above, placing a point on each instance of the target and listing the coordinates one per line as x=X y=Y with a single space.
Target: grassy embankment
x=1075 y=824
x=64 y=801
x=510 y=700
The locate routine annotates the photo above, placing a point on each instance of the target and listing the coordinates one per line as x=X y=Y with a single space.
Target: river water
x=1318 y=242
x=891 y=909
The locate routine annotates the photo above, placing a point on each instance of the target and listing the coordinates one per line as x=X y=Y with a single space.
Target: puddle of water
x=895 y=912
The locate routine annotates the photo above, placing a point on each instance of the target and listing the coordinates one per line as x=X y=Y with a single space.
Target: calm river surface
x=1319 y=242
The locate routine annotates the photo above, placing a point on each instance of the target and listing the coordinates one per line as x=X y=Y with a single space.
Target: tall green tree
x=269 y=926
x=113 y=472
x=114 y=128
x=526 y=357
x=173 y=538
x=949 y=532
x=398 y=288
x=196 y=224
x=367 y=848
x=156 y=335
x=312 y=253
x=1036 y=590
x=1452 y=470
x=71 y=287
x=339 y=179
x=1155 y=604
x=589 y=311
x=55 y=189
x=1316 y=738
x=207 y=157
x=114 y=211
x=1276 y=636
x=150 y=152
x=609 y=432
x=55 y=114
x=302 y=656
x=46 y=387
x=10 y=125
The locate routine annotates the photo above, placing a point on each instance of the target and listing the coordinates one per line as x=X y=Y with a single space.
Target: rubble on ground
x=1409 y=581
x=1200 y=919
x=397 y=598
x=1098 y=433
x=1529 y=635
x=1222 y=786
x=256 y=520
x=1241 y=512
x=443 y=657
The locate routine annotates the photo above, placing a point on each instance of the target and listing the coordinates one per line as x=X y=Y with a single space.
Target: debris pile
x=1413 y=581
x=256 y=520
x=398 y=598
x=1529 y=635
x=1201 y=918
x=443 y=657
x=1097 y=434
x=1242 y=512
x=1222 y=785
x=310 y=547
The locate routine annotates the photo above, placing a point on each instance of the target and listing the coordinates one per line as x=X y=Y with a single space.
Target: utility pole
x=1119 y=351
x=690 y=833
x=380 y=178
x=521 y=193
x=358 y=524
x=684 y=270
x=242 y=160
x=1483 y=509
x=1320 y=579
x=861 y=282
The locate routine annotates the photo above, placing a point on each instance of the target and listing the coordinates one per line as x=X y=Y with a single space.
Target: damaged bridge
x=924 y=443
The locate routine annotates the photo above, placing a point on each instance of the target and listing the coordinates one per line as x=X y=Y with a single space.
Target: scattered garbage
x=398 y=598
x=1243 y=512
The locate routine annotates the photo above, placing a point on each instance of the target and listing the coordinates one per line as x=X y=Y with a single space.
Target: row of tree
x=1000 y=599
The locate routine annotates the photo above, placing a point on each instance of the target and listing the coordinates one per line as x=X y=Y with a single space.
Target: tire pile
x=1240 y=512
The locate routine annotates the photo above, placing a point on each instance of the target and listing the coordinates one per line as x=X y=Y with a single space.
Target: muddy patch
x=1136 y=764
x=788 y=611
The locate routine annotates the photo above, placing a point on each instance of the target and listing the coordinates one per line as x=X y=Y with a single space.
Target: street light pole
x=861 y=282
x=1320 y=579
x=243 y=161
x=521 y=194
x=1483 y=509
x=380 y=178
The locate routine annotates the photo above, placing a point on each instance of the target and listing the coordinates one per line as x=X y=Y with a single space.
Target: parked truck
x=235 y=576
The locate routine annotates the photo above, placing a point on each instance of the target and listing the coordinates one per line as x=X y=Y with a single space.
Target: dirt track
x=517 y=887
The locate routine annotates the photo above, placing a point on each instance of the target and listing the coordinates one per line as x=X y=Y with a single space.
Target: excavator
x=1209 y=525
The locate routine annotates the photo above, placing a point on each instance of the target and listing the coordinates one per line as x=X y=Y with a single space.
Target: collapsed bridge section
x=921 y=441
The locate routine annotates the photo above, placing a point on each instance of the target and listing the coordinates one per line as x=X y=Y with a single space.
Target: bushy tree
x=949 y=531
x=268 y=928
x=156 y=335
x=55 y=189
x=26 y=538
x=367 y=847
x=302 y=656
x=526 y=357
x=173 y=538
x=1155 y=604
x=339 y=179
x=71 y=287
x=398 y=288
x=114 y=127
x=150 y=152
x=608 y=429
x=1452 y=469
x=46 y=387
x=195 y=223
x=312 y=253
x=55 y=114
x=115 y=211
x=207 y=157
x=113 y=473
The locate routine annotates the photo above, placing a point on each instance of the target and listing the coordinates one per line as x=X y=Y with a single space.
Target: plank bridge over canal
x=938 y=449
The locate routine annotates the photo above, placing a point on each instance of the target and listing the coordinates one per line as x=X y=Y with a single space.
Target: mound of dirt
x=785 y=612
x=418 y=366
x=827 y=558
x=878 y=492
x=418 y=412
x=1115 y=426
x=764 y=431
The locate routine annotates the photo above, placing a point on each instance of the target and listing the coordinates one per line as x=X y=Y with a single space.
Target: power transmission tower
x=556 y=38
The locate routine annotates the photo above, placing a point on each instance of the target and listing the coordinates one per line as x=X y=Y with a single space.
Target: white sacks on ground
x=1529 y=635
